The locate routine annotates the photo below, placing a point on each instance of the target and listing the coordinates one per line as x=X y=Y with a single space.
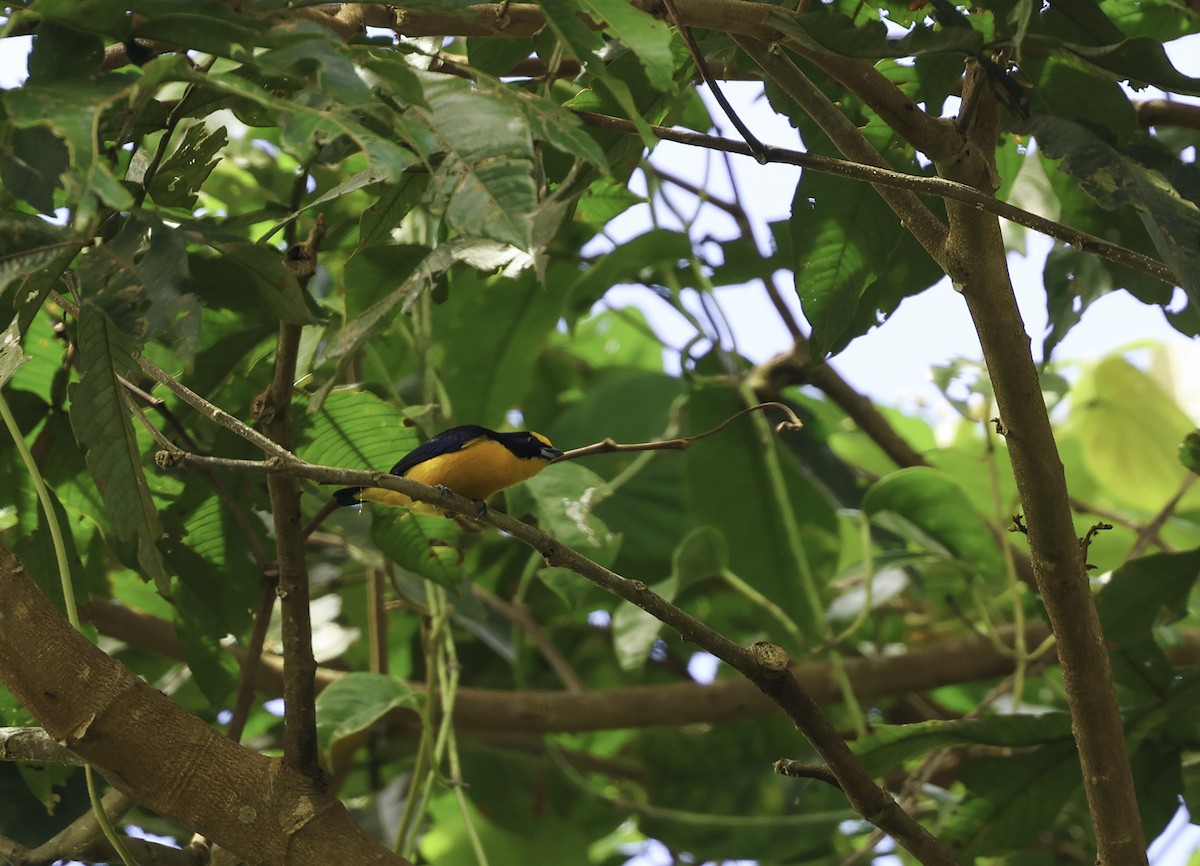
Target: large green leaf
x=356 y=701
x=355 y=430
x=1129 y=430
x=852 y=259
x=1011 y=800
x=940 y=516
x=1115 y=178
x=102 y=426
x=491 y=332
x=484 y=185
x=890 y=746
x=730 y=487
x=1138 y=597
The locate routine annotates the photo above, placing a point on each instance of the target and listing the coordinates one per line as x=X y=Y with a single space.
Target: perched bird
x=472 y=461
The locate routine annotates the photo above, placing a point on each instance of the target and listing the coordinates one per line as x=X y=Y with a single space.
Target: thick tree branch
x=977 y=265
x=157 y=752
x=969 y=658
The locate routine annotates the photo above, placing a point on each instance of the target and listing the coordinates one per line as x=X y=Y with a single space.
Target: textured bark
x=159 y=754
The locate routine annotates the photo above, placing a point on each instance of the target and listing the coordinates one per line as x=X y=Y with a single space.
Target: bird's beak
x=549 y=452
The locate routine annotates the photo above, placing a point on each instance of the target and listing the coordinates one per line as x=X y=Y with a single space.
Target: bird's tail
x=348 y=495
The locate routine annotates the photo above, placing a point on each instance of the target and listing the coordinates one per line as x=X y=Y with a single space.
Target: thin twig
x=608 y=446
x=756 y=146
x=1151 y=533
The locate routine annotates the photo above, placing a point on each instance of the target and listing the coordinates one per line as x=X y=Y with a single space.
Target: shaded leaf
x=934 y=504
x=1114 y=178
x=356 y=701
x=177 y=181
x=838 y=34
x=11 y=356
x=1011 y=800
x=890 y=746
x=102 y=426
x=1129 y=430
x=1139 y=595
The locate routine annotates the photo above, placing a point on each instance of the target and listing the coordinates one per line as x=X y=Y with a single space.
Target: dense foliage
x=173 y=170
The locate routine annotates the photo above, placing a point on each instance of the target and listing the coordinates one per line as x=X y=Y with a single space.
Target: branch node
x=803 y=770
x=770 y=657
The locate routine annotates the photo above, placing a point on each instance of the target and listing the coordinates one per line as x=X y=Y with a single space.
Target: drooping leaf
x=937 y=508
x=102 y=425
x=1114 y=178
x=1139 y=595
x=356 y=701
x=890 y=746
x=1129 y=430
x=852 y=259
x=11 y=356
x=483 y=185
x=181 y=175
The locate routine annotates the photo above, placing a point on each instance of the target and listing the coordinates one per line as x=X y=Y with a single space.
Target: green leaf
x=355 y=430
x=31 y=164
x=838 y=34
x=1140 y=595
x=634 y=261
x=62 y=53
x=700 y=555
x=1129 y=431
x=933 y=504
x=251 y=278
x=566 y=495
x=70 y=109
x=1141 y=61
x=644 y=35
x=178 y=180
x=847 y=248
x=1073 y=280
x=484 y=185
x=11 y=356
x=1011 y=800
x=1189 y=452
x=729 y=487
x=101 y=423
x=200 y=625
x=1114 y=178
x=140 y=280
x=425 y=544
x=392 y=205
x=649 y=513
x=492 y=332
x=356 y=701
x=26 y=244
x=889 y=746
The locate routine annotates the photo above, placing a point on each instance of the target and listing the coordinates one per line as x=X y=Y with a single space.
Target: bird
x=470 y=460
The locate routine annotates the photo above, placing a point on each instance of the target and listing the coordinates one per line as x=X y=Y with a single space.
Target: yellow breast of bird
x=477 y=470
